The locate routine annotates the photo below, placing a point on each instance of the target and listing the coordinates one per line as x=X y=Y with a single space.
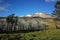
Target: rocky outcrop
x=23 y=25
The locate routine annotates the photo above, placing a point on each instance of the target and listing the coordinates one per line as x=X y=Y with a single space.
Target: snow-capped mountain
x=40 y=14
x=29 y=15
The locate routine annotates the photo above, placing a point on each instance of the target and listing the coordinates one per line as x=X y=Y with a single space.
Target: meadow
x=37 y=35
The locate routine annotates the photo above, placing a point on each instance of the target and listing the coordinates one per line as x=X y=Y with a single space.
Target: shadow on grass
x=21 y=31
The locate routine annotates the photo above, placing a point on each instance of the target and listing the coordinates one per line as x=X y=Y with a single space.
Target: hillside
x=48 y=21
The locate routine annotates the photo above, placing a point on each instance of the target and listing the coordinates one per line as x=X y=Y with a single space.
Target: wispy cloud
x=51 y=0
x=4 y=7
x=1 y=1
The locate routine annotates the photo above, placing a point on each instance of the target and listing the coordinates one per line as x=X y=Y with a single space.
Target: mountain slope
x=40 y=14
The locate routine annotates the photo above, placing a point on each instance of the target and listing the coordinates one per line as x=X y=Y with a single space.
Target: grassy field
x=37 y=35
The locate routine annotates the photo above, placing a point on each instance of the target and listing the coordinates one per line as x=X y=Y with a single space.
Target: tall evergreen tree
x=11 y=19
x=57 y=9
x=56 y=12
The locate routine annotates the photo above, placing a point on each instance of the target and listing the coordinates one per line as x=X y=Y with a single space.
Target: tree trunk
x=56 y=24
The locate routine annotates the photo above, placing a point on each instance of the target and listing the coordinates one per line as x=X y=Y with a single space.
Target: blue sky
x=24 y=7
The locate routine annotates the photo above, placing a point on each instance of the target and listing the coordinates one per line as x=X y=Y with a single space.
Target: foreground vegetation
x=37 y=35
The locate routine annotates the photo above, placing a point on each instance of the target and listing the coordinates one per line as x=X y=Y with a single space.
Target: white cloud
x=29 y=15
x=51 y=0
x=4 y=7
x=47 y=0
